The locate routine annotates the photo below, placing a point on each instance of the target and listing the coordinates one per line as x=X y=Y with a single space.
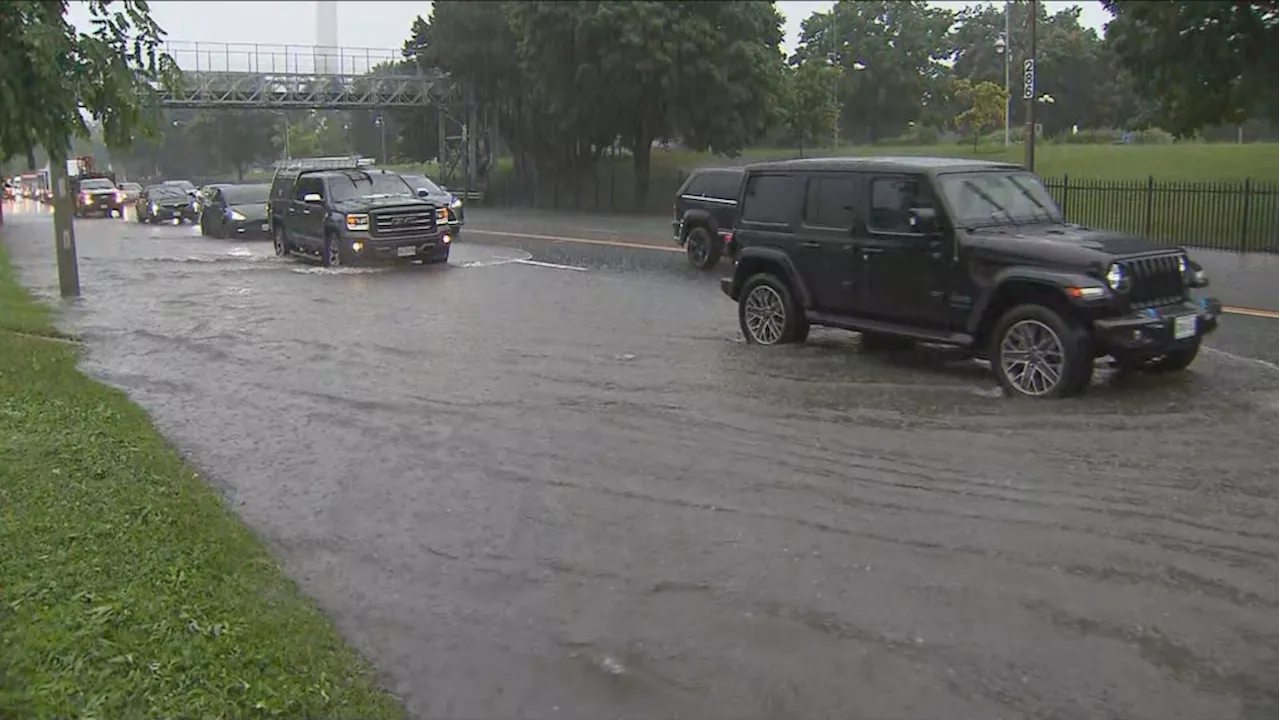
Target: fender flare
x=1055 y=280
x=755 y=255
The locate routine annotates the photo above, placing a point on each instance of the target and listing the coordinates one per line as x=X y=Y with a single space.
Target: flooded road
x=572 y=492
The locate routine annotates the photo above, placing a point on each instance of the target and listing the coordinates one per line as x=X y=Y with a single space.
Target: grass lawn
x=127 y=590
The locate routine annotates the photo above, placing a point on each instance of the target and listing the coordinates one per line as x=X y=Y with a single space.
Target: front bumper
x=249 y=229
x=105 y=206
x=430 y=248
x=178 y=212
x=1154 y=331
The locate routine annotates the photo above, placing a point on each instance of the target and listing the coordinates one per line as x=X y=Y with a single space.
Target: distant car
x=130 y=192
x=236 y=211
x=428 y=190
x=159 y=203
x=704 y=212
x=97 y=196
x=186 y=186
x=9 y=192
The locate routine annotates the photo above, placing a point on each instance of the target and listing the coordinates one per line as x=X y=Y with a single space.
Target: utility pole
x=1008 y=65
x=63 y=227
x=1029 y=84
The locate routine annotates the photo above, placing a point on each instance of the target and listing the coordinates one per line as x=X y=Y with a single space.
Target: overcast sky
x=385 y=25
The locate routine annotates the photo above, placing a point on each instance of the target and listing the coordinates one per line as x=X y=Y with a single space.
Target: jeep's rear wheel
x=768 y=314
x=702 y=249
x=1038 y=353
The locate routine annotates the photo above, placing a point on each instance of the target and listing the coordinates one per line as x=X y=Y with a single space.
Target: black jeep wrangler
x=703 y=215
x=344 y=211
x=964 y=253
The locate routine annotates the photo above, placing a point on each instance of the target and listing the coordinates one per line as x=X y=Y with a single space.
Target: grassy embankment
x=127 y=590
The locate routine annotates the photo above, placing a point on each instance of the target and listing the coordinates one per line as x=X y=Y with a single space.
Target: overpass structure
x=290 y=77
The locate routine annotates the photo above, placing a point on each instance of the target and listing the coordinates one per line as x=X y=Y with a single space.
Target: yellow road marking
x=1229 y=309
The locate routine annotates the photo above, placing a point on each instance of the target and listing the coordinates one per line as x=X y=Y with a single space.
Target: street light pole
x=1029 y=88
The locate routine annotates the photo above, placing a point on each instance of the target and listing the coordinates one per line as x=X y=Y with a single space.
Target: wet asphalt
x=538 y=492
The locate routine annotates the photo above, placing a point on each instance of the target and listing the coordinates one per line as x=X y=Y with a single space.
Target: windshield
x=361 y=184
x=185 y=185
x=998 y=198
x=98 y=184
x=130 y=187
x=165 y=191
x=421 y=182
x=246 y=194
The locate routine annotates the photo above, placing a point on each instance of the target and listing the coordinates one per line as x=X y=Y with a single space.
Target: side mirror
x=422 y=192
x=311 y=198
x=923 y=220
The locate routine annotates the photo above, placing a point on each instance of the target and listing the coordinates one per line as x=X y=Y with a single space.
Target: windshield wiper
x=973 y=187
x=1048 y=214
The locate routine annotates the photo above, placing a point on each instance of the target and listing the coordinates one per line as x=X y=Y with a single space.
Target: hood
x=441 y=199
x=362 y=204
x=252 y=211
x=98 y=191
x=1069 y=245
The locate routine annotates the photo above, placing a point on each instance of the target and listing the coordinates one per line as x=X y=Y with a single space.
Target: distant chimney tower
x=327 y=56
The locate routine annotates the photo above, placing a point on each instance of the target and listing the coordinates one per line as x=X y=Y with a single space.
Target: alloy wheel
x=765 y=315
x=1032 y=358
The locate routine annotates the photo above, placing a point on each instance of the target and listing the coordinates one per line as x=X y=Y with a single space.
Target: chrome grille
x=1154 y=281
x=395 y=223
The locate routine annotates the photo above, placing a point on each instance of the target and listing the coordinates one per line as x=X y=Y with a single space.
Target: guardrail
x=255 y=58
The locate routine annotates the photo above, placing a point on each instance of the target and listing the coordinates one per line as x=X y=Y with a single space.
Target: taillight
x=728 y=238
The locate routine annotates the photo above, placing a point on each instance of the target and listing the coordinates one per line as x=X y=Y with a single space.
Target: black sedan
x=236 y=211
x=159 y=203
x=428 y=190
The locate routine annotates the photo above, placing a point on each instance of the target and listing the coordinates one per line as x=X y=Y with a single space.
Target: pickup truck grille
x=396 y=223
x=1154 y=281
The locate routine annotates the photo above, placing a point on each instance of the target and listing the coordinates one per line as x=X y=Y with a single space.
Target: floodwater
x=525 y=490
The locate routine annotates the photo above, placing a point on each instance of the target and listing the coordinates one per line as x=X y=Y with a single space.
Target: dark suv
x=964 y=253
x=344 y=211
x=703 y=215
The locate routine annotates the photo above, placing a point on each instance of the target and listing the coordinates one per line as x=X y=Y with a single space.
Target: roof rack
x=350 y=162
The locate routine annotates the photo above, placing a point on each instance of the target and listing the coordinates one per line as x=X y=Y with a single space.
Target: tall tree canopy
x=1203 y=62
x=50 y=73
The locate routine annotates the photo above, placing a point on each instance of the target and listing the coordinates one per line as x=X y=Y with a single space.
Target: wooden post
x=63 y=226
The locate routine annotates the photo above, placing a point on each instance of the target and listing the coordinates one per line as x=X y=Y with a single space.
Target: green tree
x=809 y=108
x=985 y=103
x=893 y=56
x=707 y=73
x=53 y=75
x=1202 y=63
x=234 y=138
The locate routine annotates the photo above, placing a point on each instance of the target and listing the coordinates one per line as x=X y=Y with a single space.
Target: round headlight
x=1115 y=276
x=1182 y=264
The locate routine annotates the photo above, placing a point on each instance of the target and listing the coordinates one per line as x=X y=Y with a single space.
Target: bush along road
x=126 y=588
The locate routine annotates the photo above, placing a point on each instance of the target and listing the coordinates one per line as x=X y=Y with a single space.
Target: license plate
x=1184 y=327
x=408 y=251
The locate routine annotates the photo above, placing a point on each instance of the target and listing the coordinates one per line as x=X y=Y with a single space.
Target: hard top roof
x=889 y=163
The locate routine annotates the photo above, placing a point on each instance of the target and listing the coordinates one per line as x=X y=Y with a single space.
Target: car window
x=96 y=184
x=308 y=185
x=243 y=194
x=829 y=202
x=358 y=184
x=722 y=184
x=164 y=191
x=769 y=199
x=892 y=200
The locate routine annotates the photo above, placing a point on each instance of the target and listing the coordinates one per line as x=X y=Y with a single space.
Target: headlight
x=1182 y=264
x=235 y=215
x=442 y=215
x=155 y=207
x=193 y=204
x=358 y=222
x=457 y=203
x=1116 y=278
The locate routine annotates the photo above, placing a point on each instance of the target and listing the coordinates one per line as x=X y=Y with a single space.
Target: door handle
x=810 y=244
x=872 y=251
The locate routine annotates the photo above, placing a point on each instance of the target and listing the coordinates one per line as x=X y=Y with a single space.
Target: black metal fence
x=1240 y=216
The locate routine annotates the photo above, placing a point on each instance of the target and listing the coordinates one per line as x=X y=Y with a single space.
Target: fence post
x=1244 y=221
x=1151 y=199
x=1066 y=185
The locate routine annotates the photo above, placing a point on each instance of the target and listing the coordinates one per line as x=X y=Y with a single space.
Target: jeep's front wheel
x=701 y=248
x=768 y=313
x=1037 y=352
